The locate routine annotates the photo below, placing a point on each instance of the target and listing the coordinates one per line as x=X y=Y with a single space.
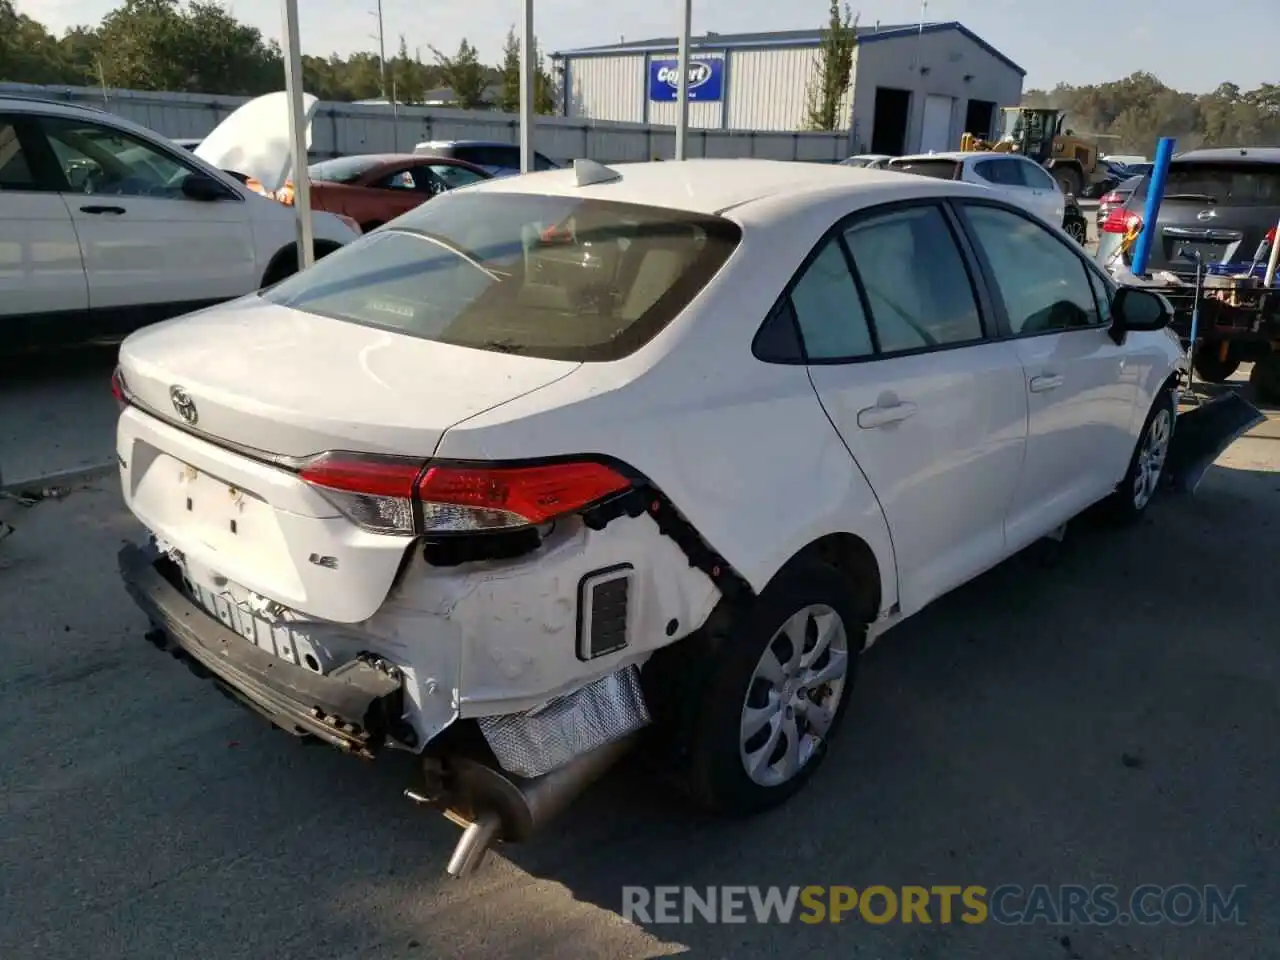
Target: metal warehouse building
x=914 y=87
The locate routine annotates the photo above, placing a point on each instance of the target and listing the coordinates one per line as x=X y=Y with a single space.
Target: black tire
x=716 y=774
x=285 y=263
x=1077 y=231
x=1124 y=505
x=1209 y=365
x=1265 y=378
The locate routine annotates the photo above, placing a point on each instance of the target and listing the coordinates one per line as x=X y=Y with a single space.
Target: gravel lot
x=1109 y=717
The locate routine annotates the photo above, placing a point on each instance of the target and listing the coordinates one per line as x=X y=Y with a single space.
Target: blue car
x=494 y=156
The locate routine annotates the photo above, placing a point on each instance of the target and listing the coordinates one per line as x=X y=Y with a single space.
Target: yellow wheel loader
x=1037 y=133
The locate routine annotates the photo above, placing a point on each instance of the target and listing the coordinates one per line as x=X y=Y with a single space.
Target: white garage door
x=935 y=134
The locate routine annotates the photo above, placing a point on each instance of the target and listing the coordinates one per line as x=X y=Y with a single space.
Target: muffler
x=493 y=805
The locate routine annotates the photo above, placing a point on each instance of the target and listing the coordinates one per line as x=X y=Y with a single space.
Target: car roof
x=1232 y=155
x=712 y=186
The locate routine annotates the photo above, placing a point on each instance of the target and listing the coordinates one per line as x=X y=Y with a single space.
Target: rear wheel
x=776 y=692
x=1212 y=366
x=1265 y=378
x=1076 y=230
x=285 y=263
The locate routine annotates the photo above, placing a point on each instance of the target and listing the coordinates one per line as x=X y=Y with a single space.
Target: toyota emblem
x=183 y=403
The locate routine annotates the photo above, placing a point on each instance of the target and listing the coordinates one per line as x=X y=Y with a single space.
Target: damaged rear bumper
x=350 y=708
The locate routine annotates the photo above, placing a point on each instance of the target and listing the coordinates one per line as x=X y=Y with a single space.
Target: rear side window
x=494 y=156
x=15 y=172
x=557 y=277
x=828 y=310
x=1002 y=172
x=938 y=169
x=1230 y=184
x=915 y=279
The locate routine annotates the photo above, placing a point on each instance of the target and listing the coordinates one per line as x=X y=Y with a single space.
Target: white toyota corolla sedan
x=557 y=457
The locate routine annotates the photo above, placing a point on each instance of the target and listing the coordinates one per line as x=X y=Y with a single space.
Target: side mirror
x=205 y=189
x=1135 y=308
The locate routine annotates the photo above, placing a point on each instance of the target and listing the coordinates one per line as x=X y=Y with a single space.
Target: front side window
x=828 y=310
x=400 y=180
x=1035 y=176
x=450 y=176
x=98 y=160
x=559 y=277
x=1044 y=284
x=915 y=279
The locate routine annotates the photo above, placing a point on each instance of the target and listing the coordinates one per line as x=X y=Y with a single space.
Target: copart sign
x=706 y=79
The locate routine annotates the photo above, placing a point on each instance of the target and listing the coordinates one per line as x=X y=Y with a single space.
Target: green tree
x=544 y=99
x=829 y=88
x=28 y=52
x=464 y=75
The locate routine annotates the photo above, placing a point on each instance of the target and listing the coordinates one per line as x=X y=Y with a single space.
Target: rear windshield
x=342 y=169
x=938 y=169
x=544 y=276
x=1234 y=184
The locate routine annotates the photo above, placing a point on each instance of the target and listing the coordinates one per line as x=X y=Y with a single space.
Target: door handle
x=99 y=209
x=1045 y=383
x=878 y=416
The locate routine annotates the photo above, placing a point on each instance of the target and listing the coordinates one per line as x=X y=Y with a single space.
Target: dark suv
x=1217 y=203
x=1221 y=205
x=497 y=158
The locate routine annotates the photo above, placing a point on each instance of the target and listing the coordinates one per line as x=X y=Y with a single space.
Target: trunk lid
x=1219 y=209
x=254 y=140
x=277 y=380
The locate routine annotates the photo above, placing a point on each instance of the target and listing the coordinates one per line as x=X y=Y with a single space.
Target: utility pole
x=527 y=89
x=298 y=135
x=682 y=88
x=382 y=51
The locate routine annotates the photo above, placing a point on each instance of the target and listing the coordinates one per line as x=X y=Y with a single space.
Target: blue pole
x=1155 y=195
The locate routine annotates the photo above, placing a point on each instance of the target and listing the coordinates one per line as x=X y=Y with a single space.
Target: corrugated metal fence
x=340 y=129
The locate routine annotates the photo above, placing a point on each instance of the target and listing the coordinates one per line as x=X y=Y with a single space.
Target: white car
x=1023 y=181
x=112 y=226
x=872 y=161
x=559 y=454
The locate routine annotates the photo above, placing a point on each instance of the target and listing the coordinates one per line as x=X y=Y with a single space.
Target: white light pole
x=682 y=88
x=298 y=134
x=528 y=91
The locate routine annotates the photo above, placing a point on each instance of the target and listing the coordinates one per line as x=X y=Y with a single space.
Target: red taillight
x=1120 y=220
x=1110 y=198
x=118 y=388
x=1270 y=237
x=383 y=494
x=374 y=492
x=494 y=498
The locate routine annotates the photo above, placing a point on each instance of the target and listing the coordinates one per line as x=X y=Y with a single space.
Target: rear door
x=1218 y=209
x=41 y=272
x=934 y=412
x=148 y=250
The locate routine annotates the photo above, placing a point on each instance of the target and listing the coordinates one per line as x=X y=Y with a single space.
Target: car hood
x=254 y=140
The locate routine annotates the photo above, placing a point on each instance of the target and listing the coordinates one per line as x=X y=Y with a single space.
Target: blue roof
x=715 y=42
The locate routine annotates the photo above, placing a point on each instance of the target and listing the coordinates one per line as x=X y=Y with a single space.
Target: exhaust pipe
x=496 y=805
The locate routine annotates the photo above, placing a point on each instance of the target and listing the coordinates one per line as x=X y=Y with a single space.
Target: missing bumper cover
x=535 y=743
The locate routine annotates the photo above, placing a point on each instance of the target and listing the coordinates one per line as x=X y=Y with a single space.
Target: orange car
x=374 y=188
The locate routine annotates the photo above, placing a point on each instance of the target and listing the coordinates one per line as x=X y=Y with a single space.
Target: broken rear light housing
x=1119 y=220
x=411 y=497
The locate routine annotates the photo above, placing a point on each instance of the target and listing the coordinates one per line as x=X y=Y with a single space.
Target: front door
x=41 y=273
x=149 y=251
x=1080 y=393
x=933 y=412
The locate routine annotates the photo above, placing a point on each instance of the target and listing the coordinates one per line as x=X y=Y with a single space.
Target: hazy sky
x=1190 y=44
